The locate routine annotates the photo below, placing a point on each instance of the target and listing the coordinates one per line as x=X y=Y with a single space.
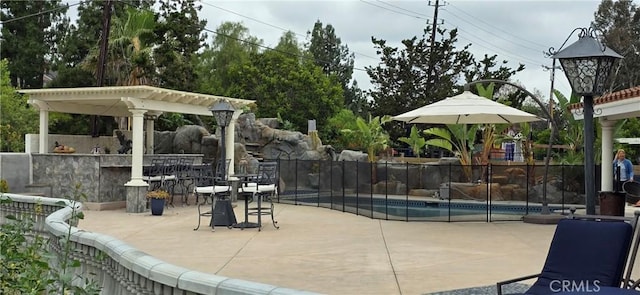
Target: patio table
x=244 y=180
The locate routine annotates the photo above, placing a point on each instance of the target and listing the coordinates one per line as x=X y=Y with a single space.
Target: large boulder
x=275 y=143
x=188 y=139
x=352 y=156
x=209 y=147
x=163 y=142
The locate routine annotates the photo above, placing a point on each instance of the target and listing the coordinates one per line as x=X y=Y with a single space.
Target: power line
x=515 y=56
x=490 y=47
x=270 y=25
x=398 y=7
x=38 y=13
x=479 y=42
x=476 y=18
x=395 y=11
x=497 y=28
x=251 y=18
x=492 y=33
x=269 y=48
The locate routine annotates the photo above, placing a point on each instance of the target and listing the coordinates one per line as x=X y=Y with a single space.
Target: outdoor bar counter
x=100 y=178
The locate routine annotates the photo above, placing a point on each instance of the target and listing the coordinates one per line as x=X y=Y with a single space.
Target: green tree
x=29 y=42
x=486 y=69
x=330 y=54
x=345 y=119
x=17 y=118
x=181 y=36
x=129 y=50
x=337 y=62
x=131 y=43
x=283 y=82
x=219 y=67
x=403 y=80
x=30 y=266
x=620 y=22
x=84 y=35
x=356 y=100
x=77 y=63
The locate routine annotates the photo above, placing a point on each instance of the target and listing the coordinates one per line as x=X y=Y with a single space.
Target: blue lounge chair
x=586 y=253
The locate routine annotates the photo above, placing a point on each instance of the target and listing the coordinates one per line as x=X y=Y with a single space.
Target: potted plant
x=157 y=198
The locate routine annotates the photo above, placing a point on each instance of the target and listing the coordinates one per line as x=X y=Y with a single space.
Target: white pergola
x=138 y=102
x=610 y=108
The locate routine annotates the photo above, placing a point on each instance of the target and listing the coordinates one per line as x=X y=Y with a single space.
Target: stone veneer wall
x=101 y=177
x=116 y=266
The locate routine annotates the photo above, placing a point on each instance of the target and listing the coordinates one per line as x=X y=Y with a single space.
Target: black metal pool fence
x=431 y=191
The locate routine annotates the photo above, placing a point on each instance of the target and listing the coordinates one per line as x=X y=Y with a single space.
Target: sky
x=518 y=31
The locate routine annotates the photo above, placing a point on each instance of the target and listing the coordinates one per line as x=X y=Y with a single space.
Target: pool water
x=420 y=208
x=438 y=211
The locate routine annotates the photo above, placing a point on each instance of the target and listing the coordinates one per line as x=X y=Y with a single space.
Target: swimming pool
x=394 y=208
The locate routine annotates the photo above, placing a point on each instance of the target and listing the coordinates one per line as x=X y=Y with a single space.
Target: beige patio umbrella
x=466 y=108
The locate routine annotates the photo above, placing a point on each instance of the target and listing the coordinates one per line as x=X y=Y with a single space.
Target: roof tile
x=611 y=97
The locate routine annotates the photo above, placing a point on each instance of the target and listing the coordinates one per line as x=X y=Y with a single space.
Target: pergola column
x=136 y=187
x=43 y=136
x=230 y=141
x=137 y=149
x=606 y=178
x=149 y=121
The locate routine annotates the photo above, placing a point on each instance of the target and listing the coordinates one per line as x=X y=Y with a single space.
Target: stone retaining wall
x=118 y=267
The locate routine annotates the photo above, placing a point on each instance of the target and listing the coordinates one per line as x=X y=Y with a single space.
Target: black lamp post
x=222 y=111
x=587 y=64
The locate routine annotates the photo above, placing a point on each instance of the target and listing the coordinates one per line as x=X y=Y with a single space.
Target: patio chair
x=170 y=176
x=262 y=191
x=213 y=186
x=161 y=174
x=154 y=174
x=585 y=251
x=186 y=175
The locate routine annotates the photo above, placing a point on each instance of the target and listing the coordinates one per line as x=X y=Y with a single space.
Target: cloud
x=517 y=31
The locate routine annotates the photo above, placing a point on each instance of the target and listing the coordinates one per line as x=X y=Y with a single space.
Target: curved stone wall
x=118 y=267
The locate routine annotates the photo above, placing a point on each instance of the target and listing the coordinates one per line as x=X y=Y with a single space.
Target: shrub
x=29 y=266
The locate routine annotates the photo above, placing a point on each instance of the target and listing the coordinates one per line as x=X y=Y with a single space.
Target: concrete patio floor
x=331 y=252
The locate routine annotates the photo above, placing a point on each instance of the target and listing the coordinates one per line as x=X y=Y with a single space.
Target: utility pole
x=552 y=77
x=102 y=58
x=434 y=28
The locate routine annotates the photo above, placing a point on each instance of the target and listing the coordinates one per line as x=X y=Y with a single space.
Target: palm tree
x=130 y=46
x=129 y=54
